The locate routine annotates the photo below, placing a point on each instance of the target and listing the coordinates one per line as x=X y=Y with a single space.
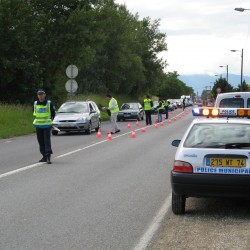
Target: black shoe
x=111 y=133
x=43 y=159
x=117 y=131
x=48 y=159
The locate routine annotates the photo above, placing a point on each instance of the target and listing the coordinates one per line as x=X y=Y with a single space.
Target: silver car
x=79 y=116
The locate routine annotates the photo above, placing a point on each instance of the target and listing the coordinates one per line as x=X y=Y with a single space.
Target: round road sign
x=71 y=86
x=71 y=71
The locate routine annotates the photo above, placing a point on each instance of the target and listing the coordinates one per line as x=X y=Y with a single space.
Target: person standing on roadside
x=44 y=112
x=114 y=109
x=147 y=105
x=184 y=103
x=160 y=109
x=166 y=103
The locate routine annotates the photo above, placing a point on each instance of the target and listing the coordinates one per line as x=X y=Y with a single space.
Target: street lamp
x=241 y=73
x=240 y=9
x=227 y=70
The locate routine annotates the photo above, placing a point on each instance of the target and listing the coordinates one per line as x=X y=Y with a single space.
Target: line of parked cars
x=85 y=116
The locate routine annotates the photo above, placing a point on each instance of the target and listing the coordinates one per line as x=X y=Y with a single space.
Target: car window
x=232 y=103
x=248 y=102
x=125 y=106
x=217 y=135
x=73 y=108
x=91 y=107
x=95 y=106
x=133 y=106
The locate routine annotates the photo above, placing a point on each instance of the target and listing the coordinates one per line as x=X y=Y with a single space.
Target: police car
x=213 y=157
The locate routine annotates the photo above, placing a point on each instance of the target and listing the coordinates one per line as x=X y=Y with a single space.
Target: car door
x=93 y=115
x=141 y=111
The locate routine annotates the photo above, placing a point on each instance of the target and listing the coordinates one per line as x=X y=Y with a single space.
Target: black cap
x=40 y=91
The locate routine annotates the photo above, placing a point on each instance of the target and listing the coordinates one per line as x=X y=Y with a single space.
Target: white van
x=233 y=100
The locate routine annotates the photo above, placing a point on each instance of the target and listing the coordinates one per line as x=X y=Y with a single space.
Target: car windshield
x=73 y=108
x=129 y=106
x=232 y=103
x=218 y=135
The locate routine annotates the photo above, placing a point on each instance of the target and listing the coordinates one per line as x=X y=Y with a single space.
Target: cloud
x=200 y=34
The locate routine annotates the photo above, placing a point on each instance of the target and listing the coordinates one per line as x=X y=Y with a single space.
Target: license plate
x=127 y=115
x=226 y=162
x=228 y=111
x=66 y=125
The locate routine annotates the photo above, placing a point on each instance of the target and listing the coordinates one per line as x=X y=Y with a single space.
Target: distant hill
x=201 y=82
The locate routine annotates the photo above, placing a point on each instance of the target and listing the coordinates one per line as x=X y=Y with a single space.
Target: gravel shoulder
x=207 y=224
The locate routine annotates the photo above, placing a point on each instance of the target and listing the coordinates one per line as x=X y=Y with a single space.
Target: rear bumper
x=210 y=185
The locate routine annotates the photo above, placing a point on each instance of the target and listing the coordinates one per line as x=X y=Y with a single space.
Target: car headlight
x=82 y=119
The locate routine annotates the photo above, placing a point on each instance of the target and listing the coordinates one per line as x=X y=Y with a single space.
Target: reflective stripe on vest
x=116 y=109
x=161 y=107
x=42 y=114
x=147 y=105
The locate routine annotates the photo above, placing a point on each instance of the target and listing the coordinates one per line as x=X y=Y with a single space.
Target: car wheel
x=54 y=132
x=118 y=119
x=99 y=125
x=89 y=129
x=178 y=203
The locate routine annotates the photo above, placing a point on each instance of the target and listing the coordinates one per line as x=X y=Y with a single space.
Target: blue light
x=196 y=111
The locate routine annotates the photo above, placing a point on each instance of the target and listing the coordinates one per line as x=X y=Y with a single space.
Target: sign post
x=71 y=85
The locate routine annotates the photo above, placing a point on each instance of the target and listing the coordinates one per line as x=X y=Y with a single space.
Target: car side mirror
x=175 y=143
x=92 y=111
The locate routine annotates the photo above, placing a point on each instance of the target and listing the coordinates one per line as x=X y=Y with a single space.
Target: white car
x=77 y=116
x=213 y=157
x=233 y=100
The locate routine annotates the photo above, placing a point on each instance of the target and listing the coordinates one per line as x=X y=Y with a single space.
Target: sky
x=200 y=34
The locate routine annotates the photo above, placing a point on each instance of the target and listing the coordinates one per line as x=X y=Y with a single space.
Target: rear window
x=232 y=103
x=217 y=135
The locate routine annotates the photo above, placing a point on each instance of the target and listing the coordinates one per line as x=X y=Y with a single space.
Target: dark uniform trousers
x=43 y=137
x=148 y=117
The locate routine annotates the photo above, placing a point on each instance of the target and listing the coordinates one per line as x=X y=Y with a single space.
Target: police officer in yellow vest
x=147 y=105
x=160 y=109
x=44 y=112
x=114 y=109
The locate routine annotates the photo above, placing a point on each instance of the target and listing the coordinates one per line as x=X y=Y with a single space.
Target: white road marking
x=154 y=226
x=69 y=153
x=21 y=169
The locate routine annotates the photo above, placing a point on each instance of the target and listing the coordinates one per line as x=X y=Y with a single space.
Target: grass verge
x=16 y=120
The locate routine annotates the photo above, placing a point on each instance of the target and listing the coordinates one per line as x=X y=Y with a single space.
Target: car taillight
x=183 y=167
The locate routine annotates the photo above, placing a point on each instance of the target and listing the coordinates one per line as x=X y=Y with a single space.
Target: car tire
x=178 y=203
x=54 y=132
x=99 y=125
x=89 y=129
x=118 y=119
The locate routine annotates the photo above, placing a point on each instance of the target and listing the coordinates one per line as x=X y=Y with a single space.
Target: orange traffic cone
x=175 y=118
x=109 y=136
x=162 y=124
x=133 y=135
x=99 y=135
x=129 y=126
x=143 y=129
x=137 y=123
x=169 y=121
x=156 y=125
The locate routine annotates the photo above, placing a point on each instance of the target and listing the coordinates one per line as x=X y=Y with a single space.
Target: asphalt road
x=97 y=194
x=101 y=194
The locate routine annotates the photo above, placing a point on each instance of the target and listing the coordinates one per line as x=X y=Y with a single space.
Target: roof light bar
x=221 y=112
